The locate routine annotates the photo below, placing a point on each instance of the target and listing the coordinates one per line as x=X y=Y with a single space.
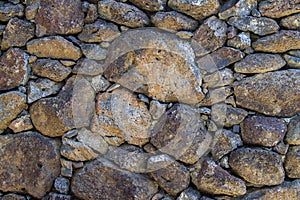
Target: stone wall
x=149 y=99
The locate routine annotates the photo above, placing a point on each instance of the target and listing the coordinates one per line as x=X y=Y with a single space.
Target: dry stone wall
x=149 y=99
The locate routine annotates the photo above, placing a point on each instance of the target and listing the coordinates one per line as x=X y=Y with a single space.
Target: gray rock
x=21 y=123
x=150 y=5
x=281 y=148
x=235 y=8
x=241 y=41
x=13 y=196
x=292 y=61
x=189 y=194
x=278 y=8
x=31 y=9
x=292 y=162
x=218 y=79
x=56 y=196
x=66 y=169
x=8 y=11
x=62 y=185
x=89 y=67
x=293 y=133
x=93 y=51
x=99 y=83
x=157 y=109
x=215 y=95
x=90 y=11
x=291 y=22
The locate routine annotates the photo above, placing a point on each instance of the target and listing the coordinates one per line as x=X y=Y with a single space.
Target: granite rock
x=291 y=22
x=278 y=8
x=292 y=162
x=150 y=5
x=21 y=123
x=292 y=61
x=242 y=41
x=293 y=134
x=240 y=8
x=8 y=11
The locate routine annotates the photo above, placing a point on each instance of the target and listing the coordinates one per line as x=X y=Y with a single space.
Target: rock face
x=292 y=162
x=101 y=175
x=36 y=177
x=292 y=61
x=283 y=84
x=291 y=22
x=234 y=8
x=150 y=5
x=7 y=11
x=277 y=9
x=59 y=17
x=257 y=166
x=293 y=134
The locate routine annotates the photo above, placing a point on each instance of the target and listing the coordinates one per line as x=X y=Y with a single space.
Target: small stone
x=173 y=21
x=143 y=98
x=150 y=5
x=235 y=8
x=8 y=11
x=99 y=31
x=236 y=128
x=77 y=165
x=91 y=12
x=292 y=61
x=17 y=33
x=211 y=178
x=189 y=194
x=259 y=63
x=22 y=123
x=157 y=109
x=257 y=166
x=197 y=9
x=224 y=162
x=280 y=42
x=281 y=148
x=215 y=95
x=242 y=41
x=263 y=131
x=99 y=83
x=31 y=9
x=71 y=134
x=113 y=87
x=231 y=32
x=32 y=59
x=13 y=69
x=66 y=168
x=260 y=93
x=219 y=78
x=62 y=185
x=89 y=67
x=292 y=162
x=293 y=134
x=55 y=196
x=257 y=25
x=205 y=111
x=93 y=51
x=278 y=8
x=105 y=45
x=185 y=34
x=294 y=53
x=255 y=13
x=249 y=50
x=59 y=17
x=67 y=63
x=291 y=22
x=13 y=197
x=122 y=13
x=210 y=36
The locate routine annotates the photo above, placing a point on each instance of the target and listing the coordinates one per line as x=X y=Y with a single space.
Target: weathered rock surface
x=278 y=8
x=293 y=134
x=31 y=9
x=279 y=42
x=219 y=78
x=13 y=196
x=150 y=5
x=292 y=162
x=291 y=22
x=59 y=17
x=211 y=178
x=54 y=47
x=22 y=123
x=272 y=93
x=215 y=95
x=8 y=11
x=189 y=194
x=241 y=41
x=157 y=109
x=101 y=175
x=195 y=8
x=34 y=177
x=259 y=63
x=121 y=13
x=88 y=67
x=257 y=166
x=13 y=69
x=57 y=196
x=93 y=51
x=292 y=61
x=90 y=11
x=62 y=185
x=263 y=131
x=17 y=32
x=235 y=8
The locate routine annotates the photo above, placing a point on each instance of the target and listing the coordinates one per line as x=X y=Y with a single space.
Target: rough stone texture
x=195 y=8
x=66 y=168
x=189 y=194
x=272 y=93
x=11 y=104
x=241 y=41
x=292 y=162
x=293 y=134
x=173 y=21
x=219 y=78
x=121 y=13
x=90 y=11
x=279 y=42
x=93 y=51
x=235 y=8
x=257 y=166
x=17 y=32
x=278 y=8
x=215 y=95
x=62 y=185
x=56 y=196
x=210 y=36
x=259 y=63
x=59 y=17
x=291 y=22
x=101 y=175
x=292 y=61
x=99 y=83
x=13 y=69
x=211 y=178
x=157 y=109
x=51 y=69
x=31 y=9
x=180 y=133
x=8 y=11
x=12 y=196
x=150 y=5
x=22 y=123
x=34 y=177
x=54 y=47
x=257 y=25
x=263 y=131
x=88 y=67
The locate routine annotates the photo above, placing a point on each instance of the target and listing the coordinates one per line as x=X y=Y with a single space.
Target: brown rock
x=293 y=135
x=13 y=69
x=211 y=178
x=281 y=148
x=292 y=61
x=259 y=63
x=53 y=47
x=59 y=17
x=8 y=11
x=121 y=13
x=150 y=5
x=219 y=78
x=263 y=131
x=88 y=67
x=278 y=8
x=257 y=166
x=279 y=42
x=241 y=41
x=113 y=182
x=13 y=196
x=90 y=11
x=22 y=123
x=272 y=93
x=195 y=8
x=93 y=51
x=31 y=9
x=34 y=177
x=235 y=8
x=17 y=33
x=291 y=22
x=292 y=162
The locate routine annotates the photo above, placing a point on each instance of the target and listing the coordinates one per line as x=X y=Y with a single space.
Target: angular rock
x=93 y=51
x=59 y=17
x=279 y=42
x=210 y=36
x=99 y=83
x=293 y=134
x=88 y=67
x=121 y=13
x=22 y=123
x=99 y=31
x=51 y=69
x=62 y=185
x=259 y=63
x=272 y=93
x=12 y=103
x=31 y=9
x=17 y=33
x=278 y=8
x=257 y=166
x=157 y=109
x=189 y=194
x=257 y=25
x=66 y=168
x=281 y=148
x=215 y=95
x=291 y=22
x=263 y=131
x=241 y=41
x=238 y=8
x=13 y=69
x=34 y=177
x=91 y=12
x=150 y=5
x=13 y=196
x=211 y=178
x=114 y=183
x=56 y=196
x=219 y=78
x=195 y=8
x=8 y=11
x=53 y=47
x=173 y=21
x=180 y=133
x=292 y=162
x=292 y=61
